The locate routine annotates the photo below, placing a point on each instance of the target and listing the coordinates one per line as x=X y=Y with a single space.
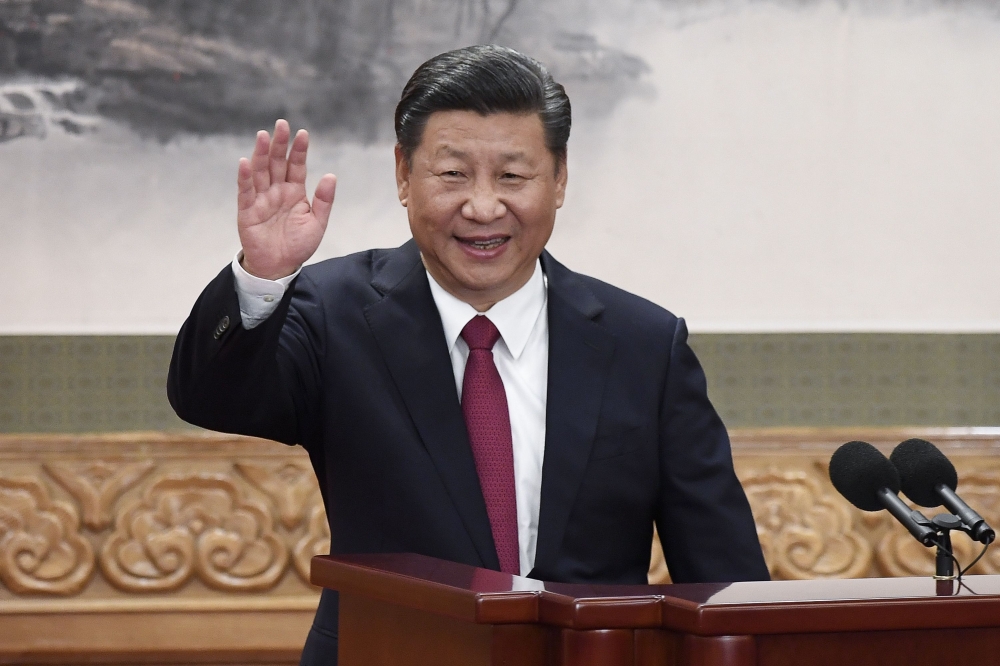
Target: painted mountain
x=165 y=67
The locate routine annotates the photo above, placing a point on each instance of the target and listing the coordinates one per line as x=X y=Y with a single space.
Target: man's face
x=481 y=193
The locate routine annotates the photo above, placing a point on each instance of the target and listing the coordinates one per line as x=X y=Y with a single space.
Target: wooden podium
x=415 y=610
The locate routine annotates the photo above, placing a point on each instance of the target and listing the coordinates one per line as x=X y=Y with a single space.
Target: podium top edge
x=762 y=607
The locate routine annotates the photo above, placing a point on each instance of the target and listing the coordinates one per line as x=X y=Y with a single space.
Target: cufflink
x=221 y=327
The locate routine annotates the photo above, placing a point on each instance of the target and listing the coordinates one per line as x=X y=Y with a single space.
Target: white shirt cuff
x=258 y=297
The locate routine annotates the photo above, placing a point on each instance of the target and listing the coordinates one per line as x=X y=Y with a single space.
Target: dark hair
x=484 y=79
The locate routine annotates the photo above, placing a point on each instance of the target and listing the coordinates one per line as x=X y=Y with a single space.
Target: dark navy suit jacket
x=354 y=366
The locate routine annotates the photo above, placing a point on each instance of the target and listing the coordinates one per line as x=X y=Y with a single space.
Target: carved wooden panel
x=164 y=548
x=136 y=526
x=41 y=549
x=194 y=525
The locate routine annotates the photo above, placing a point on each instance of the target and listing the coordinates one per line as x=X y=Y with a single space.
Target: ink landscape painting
x=743 y=163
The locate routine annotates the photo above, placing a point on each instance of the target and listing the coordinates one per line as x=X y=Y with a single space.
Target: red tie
x=484 y=404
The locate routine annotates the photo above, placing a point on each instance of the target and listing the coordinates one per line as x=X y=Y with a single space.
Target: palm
x=278 y=227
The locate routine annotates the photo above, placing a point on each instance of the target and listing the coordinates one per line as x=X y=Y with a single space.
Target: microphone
x=870 y=482
x=929 y=479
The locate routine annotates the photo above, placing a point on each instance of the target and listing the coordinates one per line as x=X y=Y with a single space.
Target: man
x=544 y=438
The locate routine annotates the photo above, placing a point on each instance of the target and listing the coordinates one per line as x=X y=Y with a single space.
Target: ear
x=402 y=175
x=561 y=176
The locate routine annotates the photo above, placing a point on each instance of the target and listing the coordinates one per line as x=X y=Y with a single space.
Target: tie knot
x=480 y=333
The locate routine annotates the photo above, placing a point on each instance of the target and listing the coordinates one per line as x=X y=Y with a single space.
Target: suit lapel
x=580 y=352
x=408 y=331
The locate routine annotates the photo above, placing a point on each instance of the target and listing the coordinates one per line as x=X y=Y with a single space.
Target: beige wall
x=794 y=166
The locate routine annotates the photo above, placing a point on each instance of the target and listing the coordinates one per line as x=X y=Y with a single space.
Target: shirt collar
x=514 y=316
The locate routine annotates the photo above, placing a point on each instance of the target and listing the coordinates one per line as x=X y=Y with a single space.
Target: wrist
x=266 y=273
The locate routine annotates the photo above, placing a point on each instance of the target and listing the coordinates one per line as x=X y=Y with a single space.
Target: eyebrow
x=461 y=154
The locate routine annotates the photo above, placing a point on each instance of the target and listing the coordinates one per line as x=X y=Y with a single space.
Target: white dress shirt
x=258 y=297
x=521 y=356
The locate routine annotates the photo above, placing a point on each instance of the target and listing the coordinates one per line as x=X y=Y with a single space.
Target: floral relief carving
x=658 y=573
x=194 y=525
x=982 y=492
x=97 y=484
x=41 y=549
x=152 y=523
x=804 y=532
x=290 y=486
x=316 y=541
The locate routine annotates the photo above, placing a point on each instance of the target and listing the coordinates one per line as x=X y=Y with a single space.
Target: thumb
x=323 y=198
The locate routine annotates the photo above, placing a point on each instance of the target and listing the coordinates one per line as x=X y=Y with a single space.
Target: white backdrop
x=813 y=166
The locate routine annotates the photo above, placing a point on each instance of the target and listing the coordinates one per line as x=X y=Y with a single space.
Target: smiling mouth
x=484 y=243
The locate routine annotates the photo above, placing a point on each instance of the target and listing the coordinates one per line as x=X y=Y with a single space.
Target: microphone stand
x=933 y=532
x=944 y=561
x=944 y=566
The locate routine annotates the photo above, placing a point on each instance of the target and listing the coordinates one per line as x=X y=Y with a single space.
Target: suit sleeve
x=262 y=382
x=704 y=521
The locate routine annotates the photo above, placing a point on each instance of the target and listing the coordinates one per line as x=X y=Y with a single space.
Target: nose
x=483 y=205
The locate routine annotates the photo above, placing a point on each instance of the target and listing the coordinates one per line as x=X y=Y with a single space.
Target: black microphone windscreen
x=922 y=467
x=858 y=471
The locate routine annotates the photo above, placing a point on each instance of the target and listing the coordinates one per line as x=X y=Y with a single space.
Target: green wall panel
x=844 y=379
x=110 y=383
x=85 y=383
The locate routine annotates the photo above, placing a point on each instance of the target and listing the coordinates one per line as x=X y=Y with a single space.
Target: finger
x=244 y=182
x=323 y=199
x=279 y=146
x=258 y=163
x=297 y=158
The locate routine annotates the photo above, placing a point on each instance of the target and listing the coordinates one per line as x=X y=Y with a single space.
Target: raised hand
x=278 y=227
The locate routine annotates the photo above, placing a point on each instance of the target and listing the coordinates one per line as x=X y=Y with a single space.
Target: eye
x=452 y=174
x=511 y=176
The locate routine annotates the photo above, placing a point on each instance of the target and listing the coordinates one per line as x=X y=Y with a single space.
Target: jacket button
x=221 y=327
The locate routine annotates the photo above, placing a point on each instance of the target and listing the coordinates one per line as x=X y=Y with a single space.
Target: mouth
x=484 y=244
